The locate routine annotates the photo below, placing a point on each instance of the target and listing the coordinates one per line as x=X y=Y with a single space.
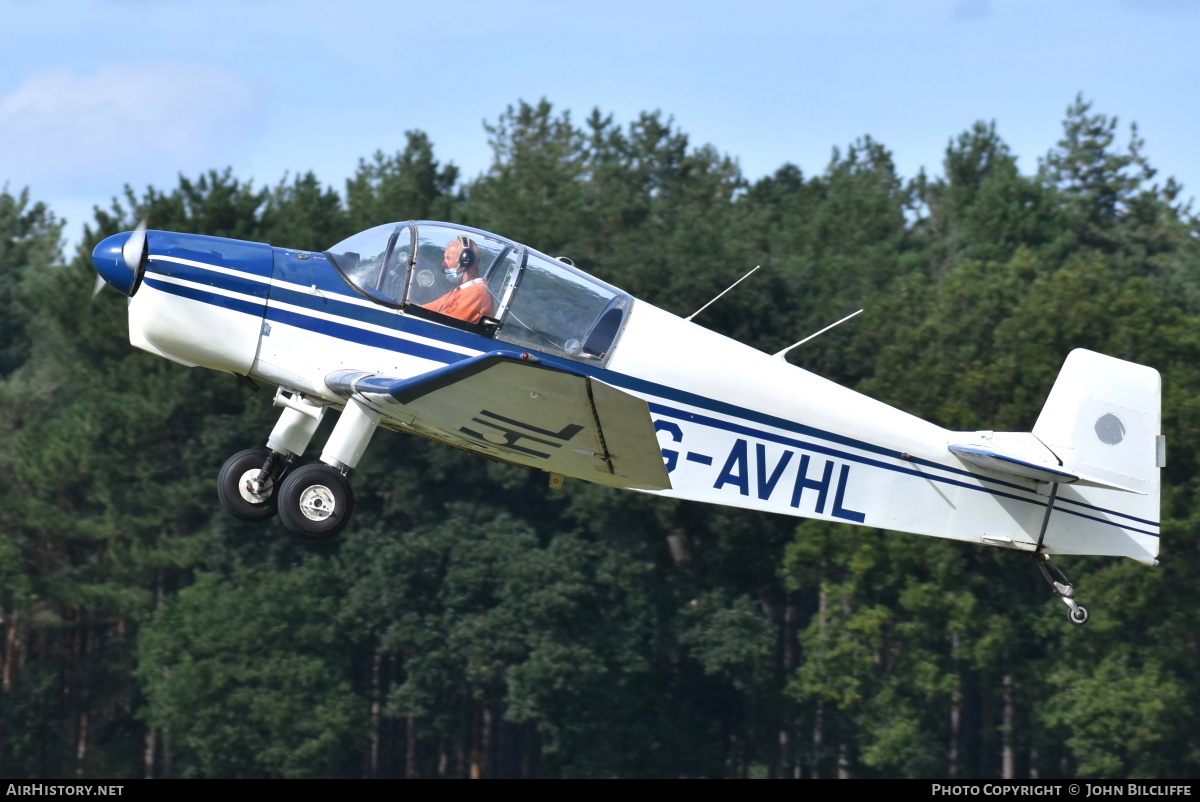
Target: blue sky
x=95 y=94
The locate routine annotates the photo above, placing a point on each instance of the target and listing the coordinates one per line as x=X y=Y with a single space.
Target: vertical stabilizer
x=1102 y=421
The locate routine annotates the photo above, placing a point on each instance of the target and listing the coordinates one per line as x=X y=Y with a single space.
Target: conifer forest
x=473 y=622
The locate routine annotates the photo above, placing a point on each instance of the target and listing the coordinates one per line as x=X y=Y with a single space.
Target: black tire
x=1078 y=616
x=235 y=498
x=315 y=502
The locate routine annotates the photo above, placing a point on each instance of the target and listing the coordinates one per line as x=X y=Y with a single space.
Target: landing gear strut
x=1058 y=580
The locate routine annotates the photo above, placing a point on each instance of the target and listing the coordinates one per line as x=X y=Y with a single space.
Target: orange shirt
x=470 y=302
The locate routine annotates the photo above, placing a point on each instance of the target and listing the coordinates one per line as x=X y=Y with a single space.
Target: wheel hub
x=254 y=491
x=316 y=503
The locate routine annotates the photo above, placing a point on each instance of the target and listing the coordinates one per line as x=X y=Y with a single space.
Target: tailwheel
x=315 y=502
x=1077 y=614
x=247 y=483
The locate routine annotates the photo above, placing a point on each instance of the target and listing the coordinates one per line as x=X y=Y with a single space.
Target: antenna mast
x=783 y=354
x=727 y=289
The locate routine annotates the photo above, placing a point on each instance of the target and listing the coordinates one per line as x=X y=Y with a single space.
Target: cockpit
x=476 y=281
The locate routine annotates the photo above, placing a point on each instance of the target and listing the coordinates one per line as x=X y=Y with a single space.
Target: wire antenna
x=783 y=354
x=727 y=289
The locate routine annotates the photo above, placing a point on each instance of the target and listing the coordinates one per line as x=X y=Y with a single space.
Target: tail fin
x=1102 y=421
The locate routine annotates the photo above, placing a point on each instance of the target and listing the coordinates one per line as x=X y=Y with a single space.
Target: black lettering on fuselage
x=766 y=485
x=670 y=456
x=737 y=469
x=838 y=510
x=804 y=483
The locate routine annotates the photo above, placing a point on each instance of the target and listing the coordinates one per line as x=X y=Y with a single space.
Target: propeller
x=126 y=269
x=135 y=246
x=99 y=285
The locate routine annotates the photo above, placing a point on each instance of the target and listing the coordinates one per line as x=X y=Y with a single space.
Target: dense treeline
x=473 y=622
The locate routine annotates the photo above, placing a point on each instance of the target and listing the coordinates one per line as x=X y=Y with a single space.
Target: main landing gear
x=315 y=501
x=1057 y=579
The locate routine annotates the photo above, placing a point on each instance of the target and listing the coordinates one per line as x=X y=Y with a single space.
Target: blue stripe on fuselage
x=199 y=275
x=310 y=270
x=354 y=334
x=334 y=305
x=253 y=258
x=252 y=308
x=329 y=302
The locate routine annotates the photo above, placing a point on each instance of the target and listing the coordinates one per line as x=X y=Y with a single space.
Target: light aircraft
x=474 y=340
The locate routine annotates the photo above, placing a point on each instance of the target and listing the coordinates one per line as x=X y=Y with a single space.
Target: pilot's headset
x=467 y=257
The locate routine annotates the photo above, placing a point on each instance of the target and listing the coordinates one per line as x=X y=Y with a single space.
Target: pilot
x=471 y=300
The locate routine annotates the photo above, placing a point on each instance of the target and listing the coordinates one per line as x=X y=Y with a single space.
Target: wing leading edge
x=512 y=406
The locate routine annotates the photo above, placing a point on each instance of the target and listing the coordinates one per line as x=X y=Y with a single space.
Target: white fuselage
x=736 y=426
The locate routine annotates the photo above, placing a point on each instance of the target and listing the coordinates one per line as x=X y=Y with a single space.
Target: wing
x=516 y=408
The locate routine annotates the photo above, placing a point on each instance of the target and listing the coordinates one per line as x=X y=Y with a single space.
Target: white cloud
x=79 y=133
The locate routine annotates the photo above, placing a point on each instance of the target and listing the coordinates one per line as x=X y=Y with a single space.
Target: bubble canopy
x=516 y=294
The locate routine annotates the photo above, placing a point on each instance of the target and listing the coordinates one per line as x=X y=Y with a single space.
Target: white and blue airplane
x=482 y=343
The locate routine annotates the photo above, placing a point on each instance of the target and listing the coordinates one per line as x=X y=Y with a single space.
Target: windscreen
x=376 y=261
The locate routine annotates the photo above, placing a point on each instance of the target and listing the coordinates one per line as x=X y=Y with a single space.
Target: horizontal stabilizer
x=1001 y=462
x=1005 y=463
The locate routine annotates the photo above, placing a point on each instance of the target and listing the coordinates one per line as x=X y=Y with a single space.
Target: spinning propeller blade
x=135 y=245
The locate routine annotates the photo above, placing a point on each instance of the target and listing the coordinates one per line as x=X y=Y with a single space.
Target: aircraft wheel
x=234 y=493
x=315 y=502
x=1079 y=615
